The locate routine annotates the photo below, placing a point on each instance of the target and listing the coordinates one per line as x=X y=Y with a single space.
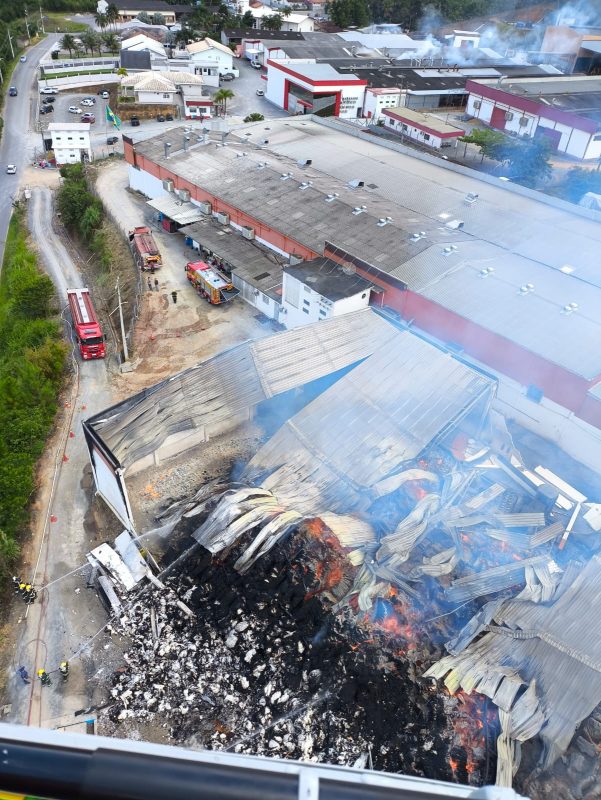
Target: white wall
x=168 y=98
x=275 y=86
x=414 y=133
x=351 y=100
x=145 y=183
x=302 y=305
x=349 y=304
x=374 y=103
x=213 y=56
x=69 y=145
x=266 y=305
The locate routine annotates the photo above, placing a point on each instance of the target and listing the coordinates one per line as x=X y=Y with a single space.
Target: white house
x=70 y=141
x=376 y=100
x=209 y=54
x=144 y=44
x=169 y=88
x=293 y=22
x=320 y=289
x=423 y=128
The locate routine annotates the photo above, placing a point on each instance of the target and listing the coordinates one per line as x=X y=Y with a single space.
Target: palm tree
x=111 y=43
x=221 y=97
x=112 y=14
x=90 y=41
x=68 y=43
x=101 y=21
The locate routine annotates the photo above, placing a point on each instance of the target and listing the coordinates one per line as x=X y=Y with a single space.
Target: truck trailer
x=144 y=249
x=211 y=284
x=85 y=323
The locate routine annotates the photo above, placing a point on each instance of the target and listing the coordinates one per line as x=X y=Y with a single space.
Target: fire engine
x=86 y=325
x=211 y=284
x=144 y=248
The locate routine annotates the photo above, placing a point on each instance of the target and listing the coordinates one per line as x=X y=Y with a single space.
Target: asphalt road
x=18 y=112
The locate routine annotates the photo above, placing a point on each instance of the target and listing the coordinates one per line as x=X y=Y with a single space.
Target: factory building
x=426 y=130
x=508 y=281
x=565 y=110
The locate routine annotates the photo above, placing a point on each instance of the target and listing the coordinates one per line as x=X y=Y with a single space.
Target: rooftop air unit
x=570 y=308
x=205 y=207
x=450 y=249
x=526 y=288
x=285 y=175
x=356 y=184
x=509 y=116
x=484 y=273
x=304 y=162
x=384 y=221
x=224 y=219
x=455 y=224
x=359 y=210
x=477 y=104
x=168 y=185
x=184 y=195
x=415 y=237
x=305 y=185
x=523 y=122
x=247 y=232
x=331 y=197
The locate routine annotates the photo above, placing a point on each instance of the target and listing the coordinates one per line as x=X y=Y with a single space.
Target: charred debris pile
x=353 y=638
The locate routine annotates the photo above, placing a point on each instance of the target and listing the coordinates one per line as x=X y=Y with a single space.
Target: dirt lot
x=171 y=336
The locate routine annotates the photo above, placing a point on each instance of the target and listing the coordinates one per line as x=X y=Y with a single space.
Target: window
x=307 y=288
x=426 y=136
x=307 y=303
x=404 y=128
x=70 y=138
x=265 y=299
x=306 y=310
x=322 y=312
x=597 y=137
x=167 y=95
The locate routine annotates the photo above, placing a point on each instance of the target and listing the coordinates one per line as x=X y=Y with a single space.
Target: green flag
x=112 y=117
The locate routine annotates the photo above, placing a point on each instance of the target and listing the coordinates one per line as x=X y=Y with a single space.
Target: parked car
x=227 y=77
x=47 y=109
x=255 y=65
x=49 y=90
x=23 y=58
x=260 y=92
x=92 y=100
x=135 y=122
x=169 y=117
x=160 y=118
x=105 y=95
x=13 y=91
x=112 y=140
x=48 y=100
x=88 y=117
x=75 y=110
x=86 y=102
x=11 y=169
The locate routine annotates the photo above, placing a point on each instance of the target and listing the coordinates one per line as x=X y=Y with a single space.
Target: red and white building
x=566 y=110
x=376 y=100
x=310 y=88
x=423 y=128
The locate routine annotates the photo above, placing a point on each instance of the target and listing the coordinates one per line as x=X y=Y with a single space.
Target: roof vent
x=452 y=248
x=415 y=237
x=455 y=224
x=526 y=288
x=241 y=155
x=570 y=308
x=470 y=198
x=305 y=185
x=384 y=221
x=484 y=273
x=331 y=197
x=262 y=164
x=356 y=184
x=359 y=210
x=285 y=175
x=304 y=162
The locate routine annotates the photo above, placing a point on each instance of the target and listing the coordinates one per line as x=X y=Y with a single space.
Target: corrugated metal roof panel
x=183 y=213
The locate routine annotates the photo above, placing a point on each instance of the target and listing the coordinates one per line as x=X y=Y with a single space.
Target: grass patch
x=32 y=359
x=58 y=23
x=76 y=74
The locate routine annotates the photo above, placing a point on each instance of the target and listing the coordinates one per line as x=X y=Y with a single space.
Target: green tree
x=91 y=41
x=112 y=14
x=157 y=19
x=484 y=138
x=91 y=220
x=32 y=295
x=68 y=43
x=527 y=159
x=221 y=97
x=111 y=42
x=349 y=12
x=248 y=21
x=73 y=200
x=273 y=22
x=254 y=117
x=143 y=16
x=101 y=20
x=577 y=182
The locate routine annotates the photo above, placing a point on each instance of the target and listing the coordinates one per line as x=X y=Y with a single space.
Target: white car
x=75 y=110
x=23 y=58
x=255 y=65
x=49 y=90
x=260 y=93
x=11 y=169
x=105 y=95
x=86 y=102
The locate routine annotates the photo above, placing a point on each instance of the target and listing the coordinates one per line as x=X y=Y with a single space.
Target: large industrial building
x=510 y=281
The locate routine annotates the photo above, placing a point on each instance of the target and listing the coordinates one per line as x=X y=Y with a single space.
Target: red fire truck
x=143 y=246
x=211 y=284
x=86 y=325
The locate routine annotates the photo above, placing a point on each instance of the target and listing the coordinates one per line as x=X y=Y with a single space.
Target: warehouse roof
x=261 y=35
x=328 y=278
x=153 y=6
x=182 y=213
x=237 y=379
x=135 y=59
x=252 y=262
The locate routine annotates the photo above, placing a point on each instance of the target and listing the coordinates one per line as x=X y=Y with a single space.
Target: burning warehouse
x=377 y=535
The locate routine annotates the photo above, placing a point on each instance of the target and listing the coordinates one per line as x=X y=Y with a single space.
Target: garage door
x=498 y=118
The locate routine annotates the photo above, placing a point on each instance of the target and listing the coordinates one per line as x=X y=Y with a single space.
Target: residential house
x=70 y=142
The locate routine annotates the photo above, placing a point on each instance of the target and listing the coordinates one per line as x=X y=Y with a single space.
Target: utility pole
x=10 y=41
x=27 y=24
x=1 y=77
x=125 y=352
x=42 y=20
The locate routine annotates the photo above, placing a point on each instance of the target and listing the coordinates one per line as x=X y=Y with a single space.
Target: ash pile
x=260 y=664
